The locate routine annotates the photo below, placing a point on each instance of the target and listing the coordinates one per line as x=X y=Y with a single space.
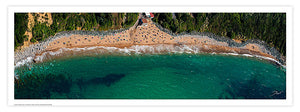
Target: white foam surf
x=24 y=62
x=136 y=49
x=257 y=56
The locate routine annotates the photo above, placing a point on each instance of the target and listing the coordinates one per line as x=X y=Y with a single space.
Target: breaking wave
x=257 y=56
x=136 y=49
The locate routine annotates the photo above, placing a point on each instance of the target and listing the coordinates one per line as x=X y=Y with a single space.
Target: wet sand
x=151 y=35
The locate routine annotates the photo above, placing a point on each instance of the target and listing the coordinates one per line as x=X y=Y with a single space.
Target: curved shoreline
x=150 y=35
x=269 y=50
x=129 y=50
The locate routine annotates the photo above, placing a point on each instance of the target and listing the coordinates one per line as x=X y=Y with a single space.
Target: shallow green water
x=175 y=76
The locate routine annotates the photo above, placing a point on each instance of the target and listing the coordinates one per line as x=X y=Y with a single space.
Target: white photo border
x=149 y=102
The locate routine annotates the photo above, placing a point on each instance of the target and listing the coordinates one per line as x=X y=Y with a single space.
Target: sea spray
x=24 y=62
x=257 y=56
x=136 y=49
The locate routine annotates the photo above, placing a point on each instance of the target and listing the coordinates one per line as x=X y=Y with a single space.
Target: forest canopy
x=70 y=22
x=269 y=27
x=20 y=27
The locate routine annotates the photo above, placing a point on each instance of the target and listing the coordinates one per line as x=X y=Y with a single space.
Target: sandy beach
x=136 y=37
x=152 y=35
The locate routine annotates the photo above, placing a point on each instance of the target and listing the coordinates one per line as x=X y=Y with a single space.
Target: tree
x=269 y=27
x=20 y=27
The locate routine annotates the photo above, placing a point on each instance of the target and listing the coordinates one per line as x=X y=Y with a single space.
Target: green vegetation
x=41 y=31
x=130 y=19
x=20 y=26
x=71 y=21
x=269 y=27
x=90 y=21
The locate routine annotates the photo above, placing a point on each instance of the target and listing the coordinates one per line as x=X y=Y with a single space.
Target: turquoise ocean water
x=152 y=76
